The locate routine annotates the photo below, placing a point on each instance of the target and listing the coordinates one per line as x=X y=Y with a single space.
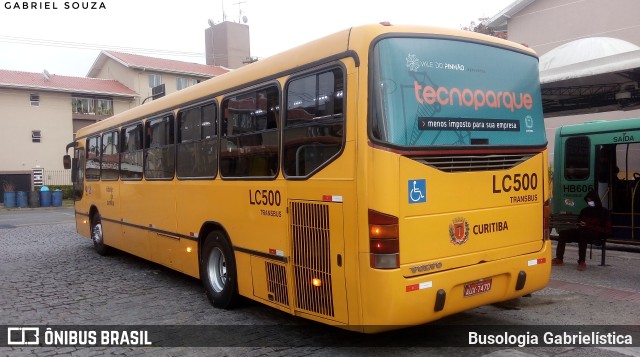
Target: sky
x=66 y=41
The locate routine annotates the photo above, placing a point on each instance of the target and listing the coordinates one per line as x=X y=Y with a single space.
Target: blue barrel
x=45 y=198
x=34 y=199
x=21 y=199
x=9 y=199
x=56 y=198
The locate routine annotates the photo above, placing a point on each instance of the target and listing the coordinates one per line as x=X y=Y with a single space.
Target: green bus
x=603 y=156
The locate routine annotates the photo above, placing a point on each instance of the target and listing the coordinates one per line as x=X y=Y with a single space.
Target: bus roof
x=600 y=126
x=352 y=39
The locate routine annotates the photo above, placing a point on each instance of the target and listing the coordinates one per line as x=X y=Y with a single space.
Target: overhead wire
x=90 y=46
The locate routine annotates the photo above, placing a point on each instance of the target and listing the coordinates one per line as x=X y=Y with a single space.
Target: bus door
x=618 y=181
x=108 y=200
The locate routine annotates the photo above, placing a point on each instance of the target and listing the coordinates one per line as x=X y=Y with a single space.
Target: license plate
x=477 y=287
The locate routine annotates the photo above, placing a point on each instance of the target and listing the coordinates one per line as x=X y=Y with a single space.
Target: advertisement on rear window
x=450 y=93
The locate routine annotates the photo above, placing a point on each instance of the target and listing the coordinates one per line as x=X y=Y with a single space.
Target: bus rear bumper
x=391 y=301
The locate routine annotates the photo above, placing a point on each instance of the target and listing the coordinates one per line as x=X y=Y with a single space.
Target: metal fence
x=57 y=177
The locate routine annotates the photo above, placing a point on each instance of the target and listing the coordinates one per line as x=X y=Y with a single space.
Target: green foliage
x=67 y=190
x=481 y=27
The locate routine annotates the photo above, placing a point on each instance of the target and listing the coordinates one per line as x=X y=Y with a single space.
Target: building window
x=92 y=106
x=155 y=80
x=182 y=83
x=35 y=100
x=82 y=105
x=35 y=136
x=104 y=107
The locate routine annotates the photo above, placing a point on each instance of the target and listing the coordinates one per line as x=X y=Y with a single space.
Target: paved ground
x=51 y=276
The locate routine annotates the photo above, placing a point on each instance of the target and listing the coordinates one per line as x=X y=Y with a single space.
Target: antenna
x=240 y=18
x=46 y=75
x=211 y=23
x=224 y=15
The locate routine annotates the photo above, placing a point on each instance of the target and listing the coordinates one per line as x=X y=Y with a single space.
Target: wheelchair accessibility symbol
x=417 y=191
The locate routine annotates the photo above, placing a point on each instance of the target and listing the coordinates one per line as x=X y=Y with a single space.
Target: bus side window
x=250 y=135
x=110 y=163
x=314 y=123
x=197 y=142
x=93 y=159
x=131 y=153
x=159 y=156
x=577 y=155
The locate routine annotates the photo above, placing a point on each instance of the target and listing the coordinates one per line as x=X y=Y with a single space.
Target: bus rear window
x=439 y=92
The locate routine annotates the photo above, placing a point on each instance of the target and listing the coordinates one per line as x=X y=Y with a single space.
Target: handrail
x=633 y=204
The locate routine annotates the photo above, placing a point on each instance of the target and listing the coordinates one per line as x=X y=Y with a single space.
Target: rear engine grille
x=469 y=163
x=311 y=257
x=277 y=283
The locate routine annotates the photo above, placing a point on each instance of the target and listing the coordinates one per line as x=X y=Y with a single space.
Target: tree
x=482 y=27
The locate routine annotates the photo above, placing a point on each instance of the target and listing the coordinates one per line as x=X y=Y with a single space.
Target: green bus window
x=576 y=158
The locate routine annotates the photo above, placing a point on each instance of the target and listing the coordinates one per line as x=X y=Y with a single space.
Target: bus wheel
x=218 y=271
x=97 y=237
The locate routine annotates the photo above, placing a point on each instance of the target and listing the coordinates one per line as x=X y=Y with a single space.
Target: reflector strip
x=330 y=198
x=414 y=287
x=537 y=261
x=279 y=253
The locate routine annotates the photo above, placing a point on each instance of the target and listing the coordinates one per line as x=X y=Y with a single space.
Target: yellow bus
x=380 y=177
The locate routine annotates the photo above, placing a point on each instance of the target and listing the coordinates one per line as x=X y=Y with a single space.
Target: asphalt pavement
x=49 y=275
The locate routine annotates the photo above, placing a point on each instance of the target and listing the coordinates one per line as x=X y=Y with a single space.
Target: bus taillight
x=546 y=220
x=384 y=242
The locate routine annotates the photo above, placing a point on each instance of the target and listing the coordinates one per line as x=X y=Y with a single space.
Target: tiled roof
x=56 y=83
x=159 y=64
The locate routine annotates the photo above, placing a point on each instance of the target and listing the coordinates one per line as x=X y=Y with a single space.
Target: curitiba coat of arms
x=459 y=231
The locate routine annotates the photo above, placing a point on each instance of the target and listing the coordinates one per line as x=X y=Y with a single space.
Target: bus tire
x=218 y=271
x=97 y=236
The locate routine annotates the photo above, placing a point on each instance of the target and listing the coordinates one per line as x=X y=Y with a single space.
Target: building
x=40 y=113
x=227 y=44
x=589 y=56
x=143 y=73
